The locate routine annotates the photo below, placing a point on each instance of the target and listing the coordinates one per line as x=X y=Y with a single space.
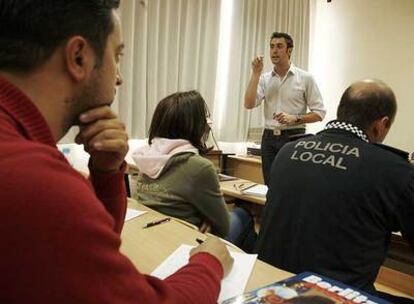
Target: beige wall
x=355 y=39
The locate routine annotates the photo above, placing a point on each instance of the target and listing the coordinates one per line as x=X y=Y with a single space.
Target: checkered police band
x=347 y=126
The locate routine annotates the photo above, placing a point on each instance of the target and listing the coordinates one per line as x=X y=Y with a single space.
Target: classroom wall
x=355 y=39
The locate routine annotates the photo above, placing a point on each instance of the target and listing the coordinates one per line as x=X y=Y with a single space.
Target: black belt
x=285 y=132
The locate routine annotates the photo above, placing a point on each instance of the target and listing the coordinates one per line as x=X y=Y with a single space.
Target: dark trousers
x=271 y=144
x=242 y=233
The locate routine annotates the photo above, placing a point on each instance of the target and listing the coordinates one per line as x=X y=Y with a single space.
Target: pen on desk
x=200 y=241
x=238 y=186
x=154 y=223
x=248 y=187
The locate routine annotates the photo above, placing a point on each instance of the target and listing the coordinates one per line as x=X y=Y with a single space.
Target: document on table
x=257 y=190
x=232 y=285
x=224 y=177
x=131 y=213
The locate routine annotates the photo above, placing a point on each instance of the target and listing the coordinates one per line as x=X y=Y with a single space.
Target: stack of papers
x=232 y=285
x=257 y=190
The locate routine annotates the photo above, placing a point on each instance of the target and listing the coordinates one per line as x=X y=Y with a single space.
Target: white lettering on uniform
x=332 y=160
x=335 y=150
x=309 y=145
x=319 y=158
x=305 y=156
x=294 y=155
x=331 y=147
x=300 y=143
x=329 y=160
x=319 y=148
x=339 y=164
x=353 y=151
x=316 y=160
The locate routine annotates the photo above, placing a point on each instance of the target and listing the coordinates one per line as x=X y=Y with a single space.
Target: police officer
x=334 y=198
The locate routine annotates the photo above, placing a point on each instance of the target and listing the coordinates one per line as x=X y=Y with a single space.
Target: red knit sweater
x=59 y=240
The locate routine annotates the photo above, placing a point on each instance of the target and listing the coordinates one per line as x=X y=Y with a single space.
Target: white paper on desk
x=232 y=285
x=131 y=213
x=257 y=190
x=224 y=177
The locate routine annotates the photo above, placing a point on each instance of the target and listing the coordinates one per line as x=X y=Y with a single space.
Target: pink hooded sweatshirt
x=151 y=159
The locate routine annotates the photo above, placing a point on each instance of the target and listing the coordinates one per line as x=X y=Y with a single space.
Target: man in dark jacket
x=335 y=198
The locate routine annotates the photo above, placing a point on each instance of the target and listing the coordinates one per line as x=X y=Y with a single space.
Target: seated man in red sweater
x=61 y=232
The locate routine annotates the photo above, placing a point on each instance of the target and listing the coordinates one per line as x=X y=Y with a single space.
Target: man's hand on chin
x=104 y=138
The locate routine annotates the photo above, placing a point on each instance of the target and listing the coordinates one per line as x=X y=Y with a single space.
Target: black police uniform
x=333 y=201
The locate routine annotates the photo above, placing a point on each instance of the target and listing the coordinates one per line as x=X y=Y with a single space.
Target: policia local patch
x=324 y=153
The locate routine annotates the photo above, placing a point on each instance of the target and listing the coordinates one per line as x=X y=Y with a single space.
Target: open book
x=304 y=288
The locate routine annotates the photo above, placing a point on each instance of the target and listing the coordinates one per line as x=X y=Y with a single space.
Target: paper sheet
x=131 y=213
x=232 y=285
x=257 y=190
x=224 y=177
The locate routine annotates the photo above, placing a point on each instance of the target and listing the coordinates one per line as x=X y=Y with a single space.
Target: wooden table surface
x=245 y=167
x=147 y=248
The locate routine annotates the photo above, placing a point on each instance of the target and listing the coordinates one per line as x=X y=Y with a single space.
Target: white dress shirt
x=293 y=94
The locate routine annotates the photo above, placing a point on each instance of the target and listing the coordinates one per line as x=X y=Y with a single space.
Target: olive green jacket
x=187 y=188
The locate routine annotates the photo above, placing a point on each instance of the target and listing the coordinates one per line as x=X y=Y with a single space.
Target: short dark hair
x=182 y=115
x=288 y=39
x=365 y=102
x=31 y=30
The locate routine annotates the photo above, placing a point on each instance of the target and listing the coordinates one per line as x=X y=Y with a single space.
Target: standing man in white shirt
x=288 y=93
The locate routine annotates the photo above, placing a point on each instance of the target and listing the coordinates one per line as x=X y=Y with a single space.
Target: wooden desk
x=398 y=268
x=147 y=248
x=245 y=167
x=230 y=188
x=215 y=156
